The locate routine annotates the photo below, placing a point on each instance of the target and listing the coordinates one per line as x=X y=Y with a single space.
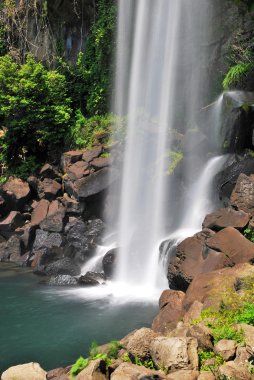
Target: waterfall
x=162 y=57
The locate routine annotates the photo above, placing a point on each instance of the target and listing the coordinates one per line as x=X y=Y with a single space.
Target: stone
x=55 y=220
x=203 y=336
x=11 y=223
x=96 y=370
x=248 y=336
x=70 y=158
x=62 y=267
x=140 y=342
x=243 y=194
x=29 y=371
x=175 y=353
x=3 y=206
x=94 y=184
x=77 y=171
x=170 y=313
x=63 y=280
x=33 y=183
x=91 y=154
x=193 y=312
x=72 y=207
x=243 y=354
x=48 y=171
x=58 y=374
x=231 y=370
x=165 y=298
x=226 y=217
x=129 y=371
x=207 y=287
x=45 y=239
x=40 y=212
x=12 y=250
x=109 y=262
x=226 y=348
x=183 y=375
x=101 y=162
x=236 y=248
x=206 y=376
x=49 y=189
x=91 y=279
x=16 y=193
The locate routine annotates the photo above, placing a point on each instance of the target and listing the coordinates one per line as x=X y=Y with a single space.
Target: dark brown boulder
x=77 y=170
x=40 y=212
x=100 y=162
x=235 y=247
x=91 y=279
x=90 y=154
x=58 y=374
x=226 y=217
x=49 y=189
x=55 y=219
x=16 y=193
x=171 y=313
x=10 y=223
x=109 y=262
x=243 y=194
x=72 y=207
x=48 y=171
x=70 y=158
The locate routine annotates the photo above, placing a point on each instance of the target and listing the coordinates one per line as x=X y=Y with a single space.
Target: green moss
x=236 y=74
x=175 y=158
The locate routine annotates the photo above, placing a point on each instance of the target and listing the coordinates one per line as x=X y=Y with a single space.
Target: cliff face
x=48 y=28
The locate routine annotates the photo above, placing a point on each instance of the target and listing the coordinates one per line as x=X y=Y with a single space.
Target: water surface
x=54 y=325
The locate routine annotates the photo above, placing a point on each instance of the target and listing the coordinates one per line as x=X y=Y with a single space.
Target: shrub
x=249 y=234
x=34 y=109
x=207 y=355
x=79 y=365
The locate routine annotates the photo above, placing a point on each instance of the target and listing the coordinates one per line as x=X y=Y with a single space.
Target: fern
x=236 y=74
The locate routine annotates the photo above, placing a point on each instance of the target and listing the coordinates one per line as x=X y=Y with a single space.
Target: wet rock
x=226 y=217
x=96 y=370
x=226 y=348
x=62 y=267
x=170 y=313
x=55 y=220
x=175 y=353
x=231 y=370
x=10 y=223
x=101 y=162
x=48 y=171
x=29 y=371
x=45 y=239
x=63 y=280
x=109 y=262
x=190 y=259
x=16 y=193
x=40 y=212
x=77 y=170
x=12 y=250
x=128 y=371
x=48 y=189
x=91 y=279
x=94 y=229
x=140 y=342
x=91 y=154
x=243 y=195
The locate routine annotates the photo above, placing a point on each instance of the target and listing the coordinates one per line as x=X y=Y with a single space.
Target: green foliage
x=114 y=348
x=34 y=109
x=79 y=365
x=27 y=167
x=249 y=234
x=204 y=356
x=248 y=3
x=136 y=360
x=236 y=74
x=90 y=78
x=235 y=307
x=175 y=157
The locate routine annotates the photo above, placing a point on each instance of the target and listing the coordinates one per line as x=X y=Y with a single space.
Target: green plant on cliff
x=236 y=74
x=34 y=109
x=78 y=366
x=209 y=361
x=175 y=157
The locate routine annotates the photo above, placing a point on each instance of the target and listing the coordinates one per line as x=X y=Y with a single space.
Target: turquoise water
x=52 y=325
